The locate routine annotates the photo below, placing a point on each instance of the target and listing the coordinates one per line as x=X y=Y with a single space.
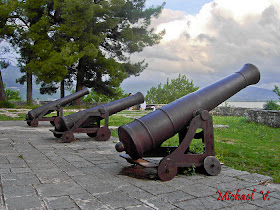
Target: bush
x=6 y=104
x=271 y=105
x=171 y=90
x=13 y=95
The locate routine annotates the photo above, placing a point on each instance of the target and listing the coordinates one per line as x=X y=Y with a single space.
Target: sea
x=251 y=105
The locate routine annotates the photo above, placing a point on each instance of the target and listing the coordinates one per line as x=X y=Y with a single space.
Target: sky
x=209 y=40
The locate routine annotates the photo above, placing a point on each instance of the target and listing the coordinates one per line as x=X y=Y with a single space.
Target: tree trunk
x=29 y=88
x=3 y=96
x=62 y=91
x=80 y=79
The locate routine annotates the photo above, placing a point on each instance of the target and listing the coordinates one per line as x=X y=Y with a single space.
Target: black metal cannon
x=35 y=115
x=143 y=137
x=88 y=121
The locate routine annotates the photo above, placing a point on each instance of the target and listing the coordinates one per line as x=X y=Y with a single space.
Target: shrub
x=271 y=105
x=6 y=104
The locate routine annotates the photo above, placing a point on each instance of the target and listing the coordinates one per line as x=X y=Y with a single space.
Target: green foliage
x=90 y=41
x=6 y=104
x=93 y=96
x=13 y=95
x=170 y=91
x=276 y=90
x=271 y=105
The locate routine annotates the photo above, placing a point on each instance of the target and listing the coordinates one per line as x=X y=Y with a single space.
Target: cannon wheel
x=57 y=135
x=52 y=122
x=103 y=134
x=28 y=123
x=167 y=169
x=34 y=123
x=67 y=136
x=212 y=165
x=92 y=135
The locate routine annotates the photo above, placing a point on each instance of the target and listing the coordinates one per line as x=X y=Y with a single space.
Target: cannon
x=88 y=121
x=189 y=117
x=35 y=115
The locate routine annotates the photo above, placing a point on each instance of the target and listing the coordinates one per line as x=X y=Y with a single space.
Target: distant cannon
x=143 y=137
x=88 y=121
x=38 y=114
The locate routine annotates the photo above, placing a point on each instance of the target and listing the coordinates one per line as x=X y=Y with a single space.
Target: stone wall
x=265 y=117
x=270 y=118
x=229 y=111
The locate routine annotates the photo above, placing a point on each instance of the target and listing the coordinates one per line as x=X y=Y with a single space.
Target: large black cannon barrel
x=150 y=131
x=67 y=122
x=34 y=113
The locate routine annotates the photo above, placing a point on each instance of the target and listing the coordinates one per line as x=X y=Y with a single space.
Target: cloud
x=217 y=41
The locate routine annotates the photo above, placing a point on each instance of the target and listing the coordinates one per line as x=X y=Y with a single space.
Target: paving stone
x=254 y=178
x=19 y=179
x=21 y=170
x=275 y=194
x=139 y=207
x=234 y=173
x=202 y=203
x=136 y=192
x=5 y=170
x=88 y=202
x=242 y=206
x=235 y=185
x=11 y=191
x=117 y=199
x=176 y=196
x=158 y=203
x=26 y=202
x=157 y=189
x=59 y=189
x=269 y=201
x=198 y=190
x=63 y=202
x=263 y=188
x=52 y=176
x=12 y=165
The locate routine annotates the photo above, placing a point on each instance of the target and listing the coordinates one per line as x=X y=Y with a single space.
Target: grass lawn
x=244 y=145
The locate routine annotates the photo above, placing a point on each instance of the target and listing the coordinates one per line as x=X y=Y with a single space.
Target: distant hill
x=12 y=73
x=254 y=94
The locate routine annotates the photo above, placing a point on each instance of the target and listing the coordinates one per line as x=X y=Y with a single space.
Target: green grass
x=244 y=145
x=248 y=146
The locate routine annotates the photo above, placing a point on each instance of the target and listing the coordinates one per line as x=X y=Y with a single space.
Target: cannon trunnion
x=88 y=121
x=35 y=115
x=143 y=137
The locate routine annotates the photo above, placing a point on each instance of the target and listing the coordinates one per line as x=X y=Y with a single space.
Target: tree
x=16 y=20
x=176 y=88
x=3 y=64
x=277 y=90
x=91 y=41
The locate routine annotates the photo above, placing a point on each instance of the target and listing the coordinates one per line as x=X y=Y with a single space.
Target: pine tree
x=83 y=40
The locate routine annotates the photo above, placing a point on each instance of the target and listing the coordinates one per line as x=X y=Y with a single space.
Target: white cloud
x=217 y=41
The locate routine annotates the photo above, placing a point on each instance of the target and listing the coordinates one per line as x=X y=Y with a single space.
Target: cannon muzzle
x=67 y=122
x=150 y=131
x=34 y=113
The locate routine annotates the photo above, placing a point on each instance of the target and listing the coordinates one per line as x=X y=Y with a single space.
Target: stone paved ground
x=39 y=172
